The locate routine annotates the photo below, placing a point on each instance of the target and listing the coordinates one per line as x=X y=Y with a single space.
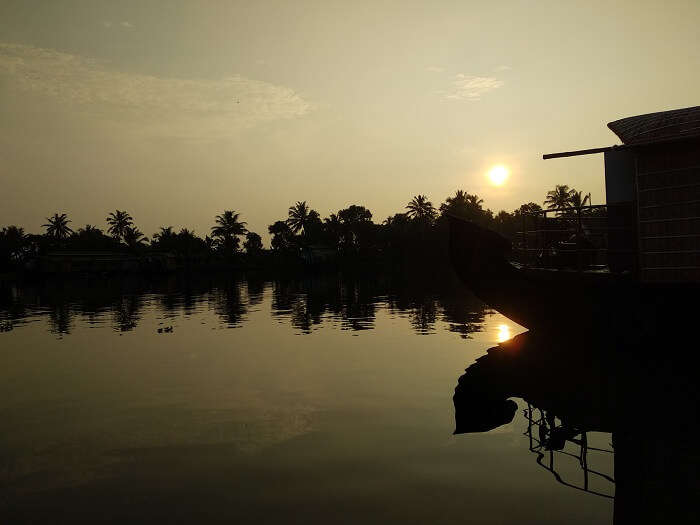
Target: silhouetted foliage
x=559 y=197
x=282 y=236
x=253 y=243
x=467 y=206
x=57 y=226
x=416 y=237
x=185 y=243
x=298 y=216
x=15 y=246
x=421 y=209
x=92 y=238
x=134 y=238
x=226 y=231
x=119 y=223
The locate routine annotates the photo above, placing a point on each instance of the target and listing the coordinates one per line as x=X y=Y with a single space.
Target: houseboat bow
x=625 y=261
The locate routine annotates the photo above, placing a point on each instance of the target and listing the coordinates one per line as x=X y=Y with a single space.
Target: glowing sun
x=498 y=175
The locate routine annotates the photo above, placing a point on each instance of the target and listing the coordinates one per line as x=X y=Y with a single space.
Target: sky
x=176 y=111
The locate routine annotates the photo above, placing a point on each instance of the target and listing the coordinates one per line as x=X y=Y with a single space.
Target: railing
x=547 y=444
x=576 y=238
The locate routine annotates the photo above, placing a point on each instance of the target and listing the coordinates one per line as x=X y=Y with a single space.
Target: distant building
x=99 y=262
x=318 y=254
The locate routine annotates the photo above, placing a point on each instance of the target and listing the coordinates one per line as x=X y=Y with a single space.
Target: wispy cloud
x=127 y=24
x=466 y=87
x=170 y=105
x=502 y=68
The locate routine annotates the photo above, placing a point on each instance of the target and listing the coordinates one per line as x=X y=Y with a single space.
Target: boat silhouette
x=642 y=392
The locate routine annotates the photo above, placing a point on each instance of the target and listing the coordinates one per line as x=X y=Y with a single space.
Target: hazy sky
x=176 y=111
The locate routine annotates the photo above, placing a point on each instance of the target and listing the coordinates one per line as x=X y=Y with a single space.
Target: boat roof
x=651 y=128
x=658 y=127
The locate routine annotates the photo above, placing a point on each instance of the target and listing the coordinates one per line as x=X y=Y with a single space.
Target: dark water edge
x=227 y=398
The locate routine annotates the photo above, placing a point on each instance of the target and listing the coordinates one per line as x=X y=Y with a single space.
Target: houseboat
x=633 y=258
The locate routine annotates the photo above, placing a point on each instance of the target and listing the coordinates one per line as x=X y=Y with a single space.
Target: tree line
x=351 y=232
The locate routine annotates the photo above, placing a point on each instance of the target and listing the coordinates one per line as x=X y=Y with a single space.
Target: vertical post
x=524 y=240
x=584 y=459
x=579 y=234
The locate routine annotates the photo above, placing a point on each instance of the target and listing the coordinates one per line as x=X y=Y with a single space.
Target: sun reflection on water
x=503 y=333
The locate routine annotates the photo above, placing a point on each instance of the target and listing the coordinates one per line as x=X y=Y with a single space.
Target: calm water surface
x=251 y=401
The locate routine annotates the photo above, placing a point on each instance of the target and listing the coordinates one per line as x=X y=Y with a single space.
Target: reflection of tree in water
x=60 y=318
x=425 y=303
x=228 y=304
x=12 y=307
x=464 y=313
x=419 y=305
x=170 y=296
x=424 y=316
x=356 y=306
x=350 y=301
x=303 y=302
x=126 y=312
x=353 y=301
x=255 y=290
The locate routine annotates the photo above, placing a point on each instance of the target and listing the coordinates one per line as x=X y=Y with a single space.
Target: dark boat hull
x=537 y=298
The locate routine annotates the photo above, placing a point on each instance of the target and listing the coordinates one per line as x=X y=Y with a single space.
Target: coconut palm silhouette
x=227 y=229
x=119 y=222
x=134 y=238
x=298 y=216
x=421 y=209
x=57 y=226
x=559 y=197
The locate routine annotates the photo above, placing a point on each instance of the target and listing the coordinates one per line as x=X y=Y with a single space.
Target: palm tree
x=578 y=200
x=14 y=244
x=461 y=201
x=298 y=216
x=420 y=208
x=253 y=243
x=473 y=200
x=14 y=234
x=57 y=227
x=467 y=206
x=166 y=232
x=228 y=228
x=134 y=238
x=119 y=222
x=89 y=229
x=559 y=197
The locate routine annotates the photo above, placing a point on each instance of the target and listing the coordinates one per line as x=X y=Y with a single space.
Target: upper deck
x=650 y=224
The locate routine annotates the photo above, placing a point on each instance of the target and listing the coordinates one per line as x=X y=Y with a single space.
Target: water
x=251 y=401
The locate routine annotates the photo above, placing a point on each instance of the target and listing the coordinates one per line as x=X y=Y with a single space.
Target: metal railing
x=574 y=238
x=546 y=443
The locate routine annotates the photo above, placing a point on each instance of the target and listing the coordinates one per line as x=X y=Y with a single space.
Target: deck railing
x=540 y=430
x=576 y=238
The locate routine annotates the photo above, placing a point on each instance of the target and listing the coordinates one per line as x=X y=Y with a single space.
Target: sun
x=498 y=175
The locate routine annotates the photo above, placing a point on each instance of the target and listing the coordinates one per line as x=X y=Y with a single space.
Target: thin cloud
x=466 y=87
x=502 y=68
x=435 y=69
x=167 y=105
x=127 y=24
